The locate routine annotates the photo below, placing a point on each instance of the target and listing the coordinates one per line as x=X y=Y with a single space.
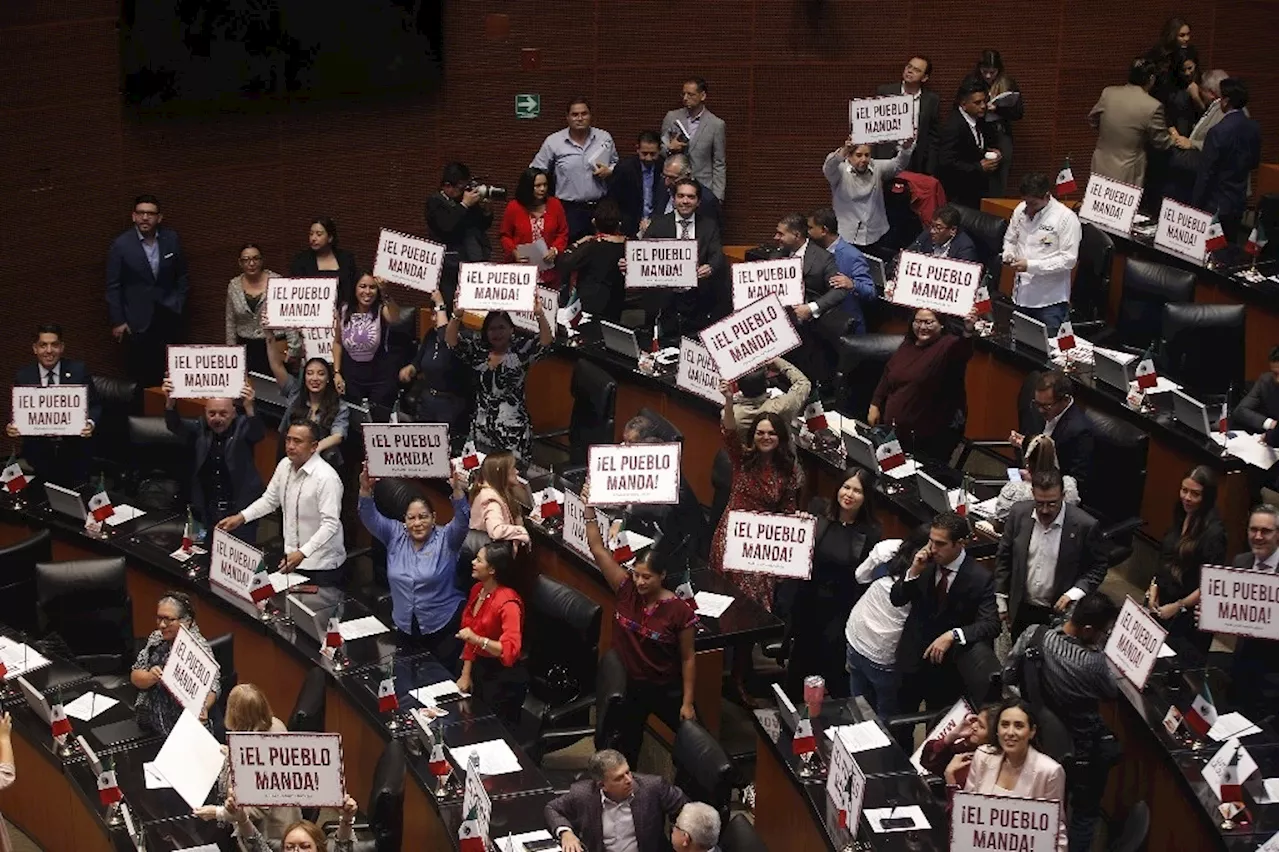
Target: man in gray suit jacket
x=1049 y=557
x=1128 y=119
x=624 y=810
x=819 y=331
x=697 y=132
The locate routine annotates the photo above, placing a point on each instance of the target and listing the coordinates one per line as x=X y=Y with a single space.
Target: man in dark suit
x=1254 y=665
x=953 y=613
x=1232 y=150
x=1049 y=557
x=61 y=460
x=821 y=318
x=224 y=478
x=614 y=809
x=944 y=237
x=637 y=185
x=914 y=76
x=963 y=164
x=693 y=309
x=1258 y=411
x=459 y=219
x=1053 y=412
x=147 y=288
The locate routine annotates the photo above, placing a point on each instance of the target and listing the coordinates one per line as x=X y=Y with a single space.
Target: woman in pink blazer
x=494 y=508
x=1011 y=765
x=535 y=214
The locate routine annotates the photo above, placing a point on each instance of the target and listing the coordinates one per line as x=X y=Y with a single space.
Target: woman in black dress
x=439 y=386
x=1196 y=537
x=600 y=283
x=324 y=259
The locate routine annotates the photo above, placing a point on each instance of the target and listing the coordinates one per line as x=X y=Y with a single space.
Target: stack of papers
x=1247 y=448
x=281 y=582
x=864 y=736
x=519 y=842
x=20 y=658
x=444 y=690
x=89 y=705
x=1231 y=725
x=877 y=816
x=359 y=628
x=710 y=604
x=496 y=757
x=902 y=471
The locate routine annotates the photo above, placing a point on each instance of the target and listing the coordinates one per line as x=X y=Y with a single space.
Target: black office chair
x=1204 y=348
x=160 y=465
x=385 y=808
x=1115 y=499
x=998 y=449
x=86 y=603
x=308 y=709
x=704 y=770
x=18 y=581
x=118 y=399
x=859 y=368
x=721 y=485
x=1054 y=737
x=611 y=690
x=667 y=430
x=980 y=673
x=392 y=497
x=987 y=233
x=1091 y=291
x=224 y=651
x=1267 y=216
x=402 y=336
x=591 y=421
x=1148 y=287
x=739 y=835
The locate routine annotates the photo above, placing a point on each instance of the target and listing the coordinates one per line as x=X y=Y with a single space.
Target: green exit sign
x=528 y=106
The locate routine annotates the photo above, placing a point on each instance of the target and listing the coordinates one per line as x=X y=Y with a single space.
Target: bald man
x=224 y=479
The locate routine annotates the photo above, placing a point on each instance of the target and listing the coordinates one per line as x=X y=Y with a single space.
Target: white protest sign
x=981 y=822
x=886 y=119
x=1183 y=230
x=946 y=727
x=754 y=280
x=1135 y=643
x=766 y=543
x=750 y=337
x=697 y=371
x=1110 y=204
x=287 y=770
x=475 y=805
x=55 y=410
x=189 y=672
x=301 y=302
x=412 y=450
x=232 y=563
x=846 y=785
x=1240 y=601
x=411 y=261
x=662 y=264
x=938 y=283
x=637 y=473
x=575 y=523
x=206 y=372
x=318 y=343
x=497 y=287
x=549 y=302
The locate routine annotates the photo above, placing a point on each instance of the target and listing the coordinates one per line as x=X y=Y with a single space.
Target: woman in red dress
x=535 y=214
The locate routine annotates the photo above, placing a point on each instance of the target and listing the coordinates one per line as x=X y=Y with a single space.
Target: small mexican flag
x=333 y=633
x=188 y=533
x=1257 y=239
x=469 y=837
x=470 y=460
x=982 y=300
x=1145 y=375
x=1216 y=238
x=387 y=700
x=1202 y=714
x=108 y=789
x=815 y=417
x=1230 y=789
x=260 y=588
x=1066 y=182
x=12 y=477
x=438 y=764
x=549 y=506
x=1223 y=417
x=622 y=548
x=655 y=345
x=1066 y=337
x=100 y=503
x=59 y=724
x=890 y=455
x=803 y=741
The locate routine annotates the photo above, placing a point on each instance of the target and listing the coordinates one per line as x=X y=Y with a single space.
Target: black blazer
x=961 y=248
x=1081 y=560
x=69 y=373
x=463 y=232
x=817 y=269
x=304 y=265
x=246 y=484
x=653 y=802
x=626 y=187
x=133 y=291
x=1260 y=404
x=1072 y=437
x=970 y=606
x=841 y=584
x=1232 y=150
x=707 y=232
x=959 y=160
x=923 y=155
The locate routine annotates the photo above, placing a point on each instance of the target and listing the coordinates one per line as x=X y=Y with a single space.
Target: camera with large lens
x=487 y=191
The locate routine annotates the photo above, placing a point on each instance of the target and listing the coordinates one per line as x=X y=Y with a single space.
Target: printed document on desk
x=496 y=757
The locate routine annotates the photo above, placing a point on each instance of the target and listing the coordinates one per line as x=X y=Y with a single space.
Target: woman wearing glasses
x=302 y=836
x=156 y=709
x=921 y=393
x=246 y=309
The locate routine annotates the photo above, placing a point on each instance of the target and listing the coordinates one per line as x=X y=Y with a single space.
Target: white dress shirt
x=1050 y=243
x=973 y=128
x=617 y=827
x=1050 y=425
x=915 y=103
x=51 y=376
x=310 y=499
x=1042 y=558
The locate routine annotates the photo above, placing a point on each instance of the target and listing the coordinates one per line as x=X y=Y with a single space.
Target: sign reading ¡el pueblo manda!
x=548 y=302
x=301 y=302
x=54 y=410
x=189 y=672
x=697 y=371
x=302 y=770
x=318 y=343
x=981 y=822
x=662 y=264
x=497 y=287
x=764 y=543
x=1183 y=230
x=846 y=785
x=750 y=337
x=575 y=523
x=887 y=119
x=411 y=450
x=756 y=279
x=937 y=283
x=206 y=372
x=1135 y=643
x=1240 y=601
x=1110 y=204
x=232 y=564
x=411 y=261
x=945 y=727
x=633 y=473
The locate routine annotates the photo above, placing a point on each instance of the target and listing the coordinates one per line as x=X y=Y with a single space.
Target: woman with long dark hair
x=311 y=397
x=535 y=214
x=1002 y=112
x=600 y=283
x=494 y=507
x=364 y=365
x=1196 y=537
x=246 y=309
x=324 y=258
x=492 y=631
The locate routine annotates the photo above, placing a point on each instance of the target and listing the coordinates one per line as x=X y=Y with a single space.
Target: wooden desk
x=44 y=805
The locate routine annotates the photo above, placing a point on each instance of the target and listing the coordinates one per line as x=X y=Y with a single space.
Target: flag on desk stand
x=438 y=764
x=387 y=700
x=890 y=455
x=548 y=505
x=12 y=477
x=622 y=548
x=1066 y=182
x=4 y=670
x=470 y=460
x=1202 y=714
x=1066 y=338
x=962 y=501
x=333 y=633
x=469 y=837
x=100 y=504
x=982 y=300
x=1257 y=240
x=815 y=417
x=655 y=345
x=1216 y=238
x=1145 y=374
x=188 y=533
x=803 y=741
x=59 y=724
x=108 y=788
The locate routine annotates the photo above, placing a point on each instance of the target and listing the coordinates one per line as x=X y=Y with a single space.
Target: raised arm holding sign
x=635 y=473
x=410 y=261
x=287 y=769
x=885 y=119
x=750 y=337
x=411 y=450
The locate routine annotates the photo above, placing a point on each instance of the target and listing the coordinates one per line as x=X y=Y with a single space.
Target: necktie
x=685 y=224
x=940 y=590
x=48 y=378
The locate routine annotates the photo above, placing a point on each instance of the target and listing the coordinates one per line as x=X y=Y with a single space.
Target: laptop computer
x=1111 y=372
x=1030 y=332
x=36 y=701
x=620 y=339
x=933 y=493
x=65 y=500
x=859 y=450
x=311 y=618
x=1191 y=412
x=876 y=267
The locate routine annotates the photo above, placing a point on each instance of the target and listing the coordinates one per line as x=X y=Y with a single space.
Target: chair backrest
x=739 y=835
x=386 y=799
x=308 y=709
x=721 y=483
x=1120 y=448
x=980 y=673
x=667 y=430
x=118 y=399
x=987 y=233
x=611 y=691
x=594 y=404
x=161 y=456
x=1029 y=419
x=858 y=370
x=86 y=602
x=704 y=770
x=392 y=496
x=1092 y=288
x=1204 y=347
x=402 y=337
x=1054 y=737
x=562 y=635
x=1148 y=287
x=18 y=580
x=224 y=651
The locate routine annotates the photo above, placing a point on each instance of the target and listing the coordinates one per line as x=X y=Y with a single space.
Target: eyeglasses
x=923 y=323
x=1048 y=504
x=150 y=214
x=938 y=226
x=304 y=846
x=164 y=620
x=257 y=258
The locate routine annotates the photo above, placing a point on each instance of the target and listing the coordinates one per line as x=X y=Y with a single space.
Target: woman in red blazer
x=535 y=214
x=492 y=633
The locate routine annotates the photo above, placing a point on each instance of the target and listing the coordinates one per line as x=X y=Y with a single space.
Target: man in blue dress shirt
x=855 y=275
x=581 y=158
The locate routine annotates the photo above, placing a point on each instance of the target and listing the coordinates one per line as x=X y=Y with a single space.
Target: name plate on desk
x=1240 y=601
x=750 y=337
x=697 y=372
x=662 y=264
x=764 y=543
x=287 y=769
x=1183 y=230
x=497 y=287
x=754 y=280
x=937 y=283
x=301 y=302
x=1110 y=204
x=638 y=473
x=206 y=372
x=980 y=822
x=47 y=411
x=189 y=672
x=411 y=261
x=1134 y=644
x=886 y=119
x=410 y=450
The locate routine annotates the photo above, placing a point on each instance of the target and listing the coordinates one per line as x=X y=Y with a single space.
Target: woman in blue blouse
x=422 y=561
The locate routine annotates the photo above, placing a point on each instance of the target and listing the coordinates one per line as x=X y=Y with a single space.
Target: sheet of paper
x=283 y=582
x=517 y=842
x=1163 y=385
x=183 y=555
x=20 y=658
x=359 y=628
x=1272 y=845
x=903 y=471
x=1116 y=354
x=1165 y=651
x=190 y=760
x=89 y=705
x=877 y=816
x=864 y=736
x=710 y=604
x=1270 y=791
x=208 y=847
x=1007 y=99
x=155 y=781
x=123 y=513
x=496 y=757
x=1248 y=449
x=535 y=251
x=437 y=691
x=1230 y=725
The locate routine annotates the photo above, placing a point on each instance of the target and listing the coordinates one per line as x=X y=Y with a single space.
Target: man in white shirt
x=1041 y=246
x=309 y=494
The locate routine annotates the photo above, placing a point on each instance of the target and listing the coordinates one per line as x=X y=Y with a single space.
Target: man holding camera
x=458 y=217
x=580 y=159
